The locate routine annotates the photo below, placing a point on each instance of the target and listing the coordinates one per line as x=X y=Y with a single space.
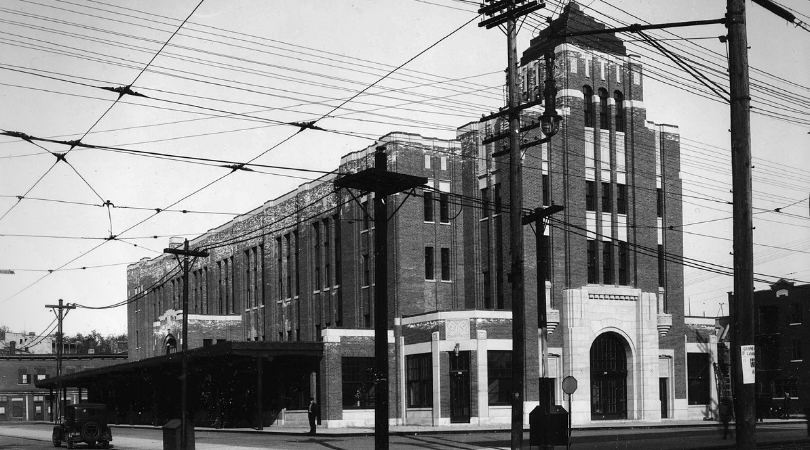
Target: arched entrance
x=608 y=378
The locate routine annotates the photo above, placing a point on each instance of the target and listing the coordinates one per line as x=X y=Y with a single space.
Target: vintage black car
x=83 y=422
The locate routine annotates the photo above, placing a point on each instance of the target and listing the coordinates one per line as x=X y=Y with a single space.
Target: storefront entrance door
x=460 y=387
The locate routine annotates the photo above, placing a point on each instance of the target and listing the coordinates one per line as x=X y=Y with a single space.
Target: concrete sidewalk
x=469 y=429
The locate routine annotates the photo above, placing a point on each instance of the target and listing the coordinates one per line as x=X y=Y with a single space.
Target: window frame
x=587 y=106
x=499 y=369
x=444 y=207
x=618 y=98
x=430 y=269
x=419 y=380
x=360 y=371
x=444 y=254
x=429 y=215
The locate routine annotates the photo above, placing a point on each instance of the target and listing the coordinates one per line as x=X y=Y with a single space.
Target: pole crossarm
x=541 y=213
x=507 y=111
x=380 y=182
x=511 y=14
x=497 y=137
x=182 y=252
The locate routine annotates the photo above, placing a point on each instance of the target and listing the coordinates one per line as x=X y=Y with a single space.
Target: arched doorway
x=608 y=378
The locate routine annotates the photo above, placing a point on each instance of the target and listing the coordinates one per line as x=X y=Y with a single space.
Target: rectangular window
x=280 y=268
x=445 y=255
x=288 y=247
x=248 y=284
x=23 y=377
x=659 y=202
x=429 y=263
x=590 y=196
x=484 y=203
x=444 y=208
x=358 y=382
x=327 y=267
x=497 y=193
x=796 y=313
x=420 y=380
x=592 y=276
x=624 y=263
x=316 y=255
x=365 y=212
x=366 y=274
x=487 y=290
x=443 y=163
x=207 y=342
x=796 y=354
x=428 y=198
x=607 y=262
x=427 y=161
x=607 y=205
x=621 y=198
x=546 y=191
x=698 y=378
x=297 y=259
x=661 y=266
x=499 y=376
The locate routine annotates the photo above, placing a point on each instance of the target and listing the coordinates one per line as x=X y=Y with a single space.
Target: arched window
x=588 y=105
x=619 y=98
x=603 y=109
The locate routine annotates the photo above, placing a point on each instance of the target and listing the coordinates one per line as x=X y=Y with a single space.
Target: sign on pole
x=747 y=360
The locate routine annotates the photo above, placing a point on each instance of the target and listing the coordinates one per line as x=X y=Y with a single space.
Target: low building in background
x=20 y=372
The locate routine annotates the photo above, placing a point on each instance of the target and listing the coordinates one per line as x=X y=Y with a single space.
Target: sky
x=235 y=75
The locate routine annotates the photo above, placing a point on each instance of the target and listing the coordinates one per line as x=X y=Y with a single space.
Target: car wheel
x=69 y=443
x=56 y=442
x=105 y=444
x=91 y=431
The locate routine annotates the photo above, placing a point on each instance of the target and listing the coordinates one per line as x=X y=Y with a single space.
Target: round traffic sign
x=569 y=385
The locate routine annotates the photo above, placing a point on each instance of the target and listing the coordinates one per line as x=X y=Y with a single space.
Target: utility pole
x=538 y=216
x=382 y=183
x=511 y=12
x=741 y=309
x=185 y=252
x=60 y=315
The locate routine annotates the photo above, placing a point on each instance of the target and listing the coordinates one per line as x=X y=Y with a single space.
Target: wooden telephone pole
x=61 y=393
x=507 y=12
x=741 y=310
x=185 y=252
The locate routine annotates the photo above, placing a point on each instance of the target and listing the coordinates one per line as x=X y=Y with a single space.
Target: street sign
x=569 y=385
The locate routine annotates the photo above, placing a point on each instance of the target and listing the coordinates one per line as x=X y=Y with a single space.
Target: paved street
x=778 y=435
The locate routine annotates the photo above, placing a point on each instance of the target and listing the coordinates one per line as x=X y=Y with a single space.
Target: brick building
x=780 y=336
x=300 y=269
x=20 y=397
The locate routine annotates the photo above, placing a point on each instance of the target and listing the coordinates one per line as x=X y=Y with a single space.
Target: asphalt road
x=781 y=436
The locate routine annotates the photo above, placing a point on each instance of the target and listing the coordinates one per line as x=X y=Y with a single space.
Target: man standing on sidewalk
x=786 y=412
x=313 y=412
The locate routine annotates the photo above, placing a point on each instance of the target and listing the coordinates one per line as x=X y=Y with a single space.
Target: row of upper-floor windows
x=429 y=201
x=621 y=198
x=604 y=113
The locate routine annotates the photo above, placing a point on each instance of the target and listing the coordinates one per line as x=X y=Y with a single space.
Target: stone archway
x=608 y=377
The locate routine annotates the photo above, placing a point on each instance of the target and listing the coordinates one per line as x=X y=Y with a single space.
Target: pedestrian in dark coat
x=313 y=412
x=786 y=412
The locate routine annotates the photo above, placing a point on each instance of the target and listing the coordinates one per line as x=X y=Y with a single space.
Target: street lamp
x=550 y=120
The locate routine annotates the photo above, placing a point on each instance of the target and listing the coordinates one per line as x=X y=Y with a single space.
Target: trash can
x=171 y=435
x=548 y=428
